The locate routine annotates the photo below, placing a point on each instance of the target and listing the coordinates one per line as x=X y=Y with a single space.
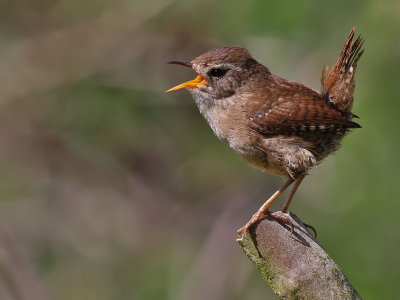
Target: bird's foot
x=279 y=215
x=263 y=210
x=257 y=216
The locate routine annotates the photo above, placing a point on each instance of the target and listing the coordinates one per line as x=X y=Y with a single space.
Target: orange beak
x=188 y=84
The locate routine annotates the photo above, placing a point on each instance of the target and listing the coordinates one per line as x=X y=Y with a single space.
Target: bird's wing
x=338 y=83
x=302 y=112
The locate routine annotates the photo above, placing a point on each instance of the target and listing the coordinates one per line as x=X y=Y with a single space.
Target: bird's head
x=221 y=73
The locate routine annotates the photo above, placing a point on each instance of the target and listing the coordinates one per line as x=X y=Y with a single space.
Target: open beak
x=188 y=84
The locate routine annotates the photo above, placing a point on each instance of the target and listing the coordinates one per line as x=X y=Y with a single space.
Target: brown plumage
x=338 y=84
x=279 y=126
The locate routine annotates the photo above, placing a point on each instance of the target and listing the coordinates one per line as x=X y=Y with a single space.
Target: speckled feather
x=338 y=84
x=292 y=110
x=277 y=125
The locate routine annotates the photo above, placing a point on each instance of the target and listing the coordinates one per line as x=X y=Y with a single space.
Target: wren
x=279 y=126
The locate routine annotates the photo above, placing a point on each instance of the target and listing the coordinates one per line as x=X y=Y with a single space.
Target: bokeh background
x=111 y=189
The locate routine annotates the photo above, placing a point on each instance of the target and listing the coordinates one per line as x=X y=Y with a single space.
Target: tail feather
x=338 y=83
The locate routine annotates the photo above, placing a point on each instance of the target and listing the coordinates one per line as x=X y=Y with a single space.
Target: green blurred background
x=111 y=189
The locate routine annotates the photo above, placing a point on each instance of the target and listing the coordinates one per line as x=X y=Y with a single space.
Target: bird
x=278 y=126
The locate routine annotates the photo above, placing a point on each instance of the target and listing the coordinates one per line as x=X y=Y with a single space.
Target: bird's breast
x=219 y=114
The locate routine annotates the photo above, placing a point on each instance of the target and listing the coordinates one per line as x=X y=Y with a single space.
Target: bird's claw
x=279 y=215
x=283 y=217
x=308 y=226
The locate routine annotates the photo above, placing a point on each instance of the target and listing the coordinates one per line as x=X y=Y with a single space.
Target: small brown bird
x=279 y=126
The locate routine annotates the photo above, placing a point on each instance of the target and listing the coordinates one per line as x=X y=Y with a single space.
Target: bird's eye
x=217 y=72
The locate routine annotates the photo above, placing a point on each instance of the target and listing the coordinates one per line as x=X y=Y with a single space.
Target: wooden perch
x=295 y=266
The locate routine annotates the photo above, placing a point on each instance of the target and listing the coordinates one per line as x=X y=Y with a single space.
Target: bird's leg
x=263 y=210
x=281 y=215
x=295 y=187
x=286 y=206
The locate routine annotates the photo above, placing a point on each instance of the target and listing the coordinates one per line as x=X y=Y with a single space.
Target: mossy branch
x=295 y=266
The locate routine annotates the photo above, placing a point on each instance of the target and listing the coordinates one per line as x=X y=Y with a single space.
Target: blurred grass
x=111 y=189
